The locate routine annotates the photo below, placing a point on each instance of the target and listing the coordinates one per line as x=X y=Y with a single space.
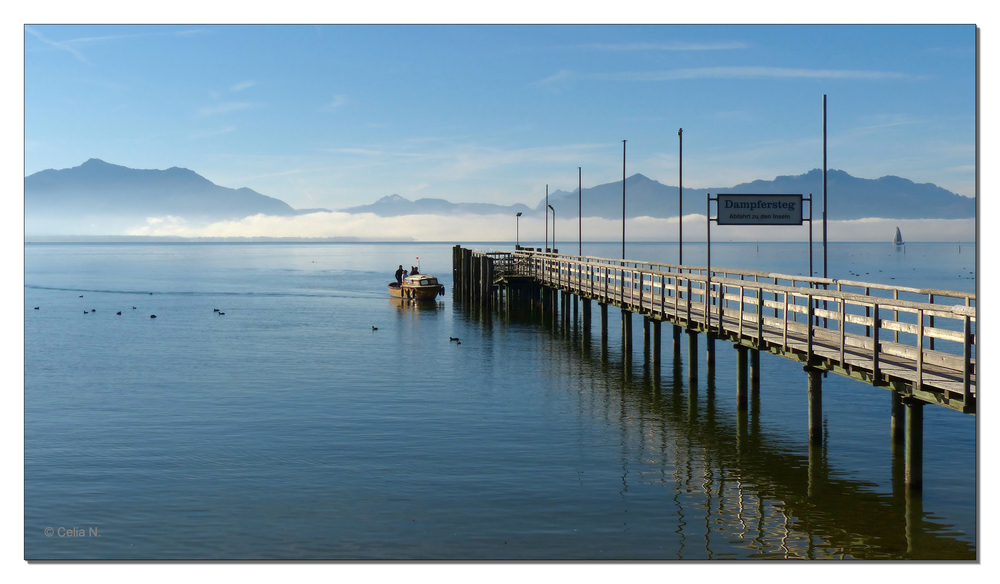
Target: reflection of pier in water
x=733 y=484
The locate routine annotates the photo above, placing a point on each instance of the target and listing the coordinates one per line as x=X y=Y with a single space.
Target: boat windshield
x=428 y=281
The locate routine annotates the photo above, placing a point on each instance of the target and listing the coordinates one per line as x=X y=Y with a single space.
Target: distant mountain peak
x=99 y=188
x=392 y=199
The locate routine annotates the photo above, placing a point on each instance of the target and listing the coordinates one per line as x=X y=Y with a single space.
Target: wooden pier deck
x=918 y=342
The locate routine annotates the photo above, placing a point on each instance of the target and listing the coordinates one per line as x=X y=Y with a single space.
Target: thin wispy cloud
x=882 y=122
x=338 y=102
x=227 y=107
x=743 y=72
x=70 y=45
x=675 y=46
x=747 y=73
x=201 y=134
x=192 y=31
x=242 y=85
x=60 y=45
x=359 y=151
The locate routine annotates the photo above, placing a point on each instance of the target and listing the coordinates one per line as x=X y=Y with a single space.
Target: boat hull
x=415 y=292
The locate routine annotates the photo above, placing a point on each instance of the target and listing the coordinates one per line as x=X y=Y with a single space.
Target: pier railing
x=880 y=333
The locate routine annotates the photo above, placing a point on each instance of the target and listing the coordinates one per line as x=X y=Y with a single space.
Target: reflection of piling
x=530 y=284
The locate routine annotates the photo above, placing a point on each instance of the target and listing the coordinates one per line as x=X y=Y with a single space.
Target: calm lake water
x=289 y=428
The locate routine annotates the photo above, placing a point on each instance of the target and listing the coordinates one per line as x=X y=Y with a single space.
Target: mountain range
x=848 y=197
x=68 y=201
x=97 y=190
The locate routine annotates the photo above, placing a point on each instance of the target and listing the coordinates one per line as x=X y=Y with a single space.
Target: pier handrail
x=847 y=323
x=694 y=270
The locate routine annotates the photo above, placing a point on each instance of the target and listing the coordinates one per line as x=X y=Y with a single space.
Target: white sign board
x=760 y=209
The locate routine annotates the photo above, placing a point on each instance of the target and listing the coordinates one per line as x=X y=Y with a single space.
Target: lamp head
x=518 y=214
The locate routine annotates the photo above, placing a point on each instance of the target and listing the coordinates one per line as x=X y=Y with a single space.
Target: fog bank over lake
x=368 y=226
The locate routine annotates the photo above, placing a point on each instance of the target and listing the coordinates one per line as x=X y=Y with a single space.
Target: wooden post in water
x=554 y=298
x=487 y=283
x=741 y=378
x=898 y=419
x=604 y=322
x=586 y=318
x=566 y=310
x=656 y=334
x=645 y=335
x=815 y=399
x=914 y=444
x=692 y=356
x=755 y=368
x=677 y=341
x=709 y=353
x=467 y=269
x=626 y=332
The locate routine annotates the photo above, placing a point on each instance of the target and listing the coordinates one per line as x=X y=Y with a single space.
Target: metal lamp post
x=623 y=198
x=680 y=196
x=553 y=228
x=517 y=231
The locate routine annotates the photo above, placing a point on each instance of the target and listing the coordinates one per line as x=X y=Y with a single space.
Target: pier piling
x=914 y=444
x=656 y=334
x=741 y=377
x=627 y=332
x=815 y=405
x=693 y=356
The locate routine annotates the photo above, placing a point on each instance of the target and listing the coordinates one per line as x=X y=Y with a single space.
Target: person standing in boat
x=399 y=274
x=413 y=271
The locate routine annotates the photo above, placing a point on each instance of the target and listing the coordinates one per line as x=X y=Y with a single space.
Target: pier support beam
x=656 y=334
x=914 y=444
x=566 y=310
x=755 y=368
x=741 y=378
x=627 y=332
x=677 y=341
x=645 y=336
x=604 y=322
x=898 y=419
x=692 y=356
x=709 y=353
x=815 y=399
x=586 y=318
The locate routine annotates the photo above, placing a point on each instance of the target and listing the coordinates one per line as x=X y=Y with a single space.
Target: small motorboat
x=419 y=287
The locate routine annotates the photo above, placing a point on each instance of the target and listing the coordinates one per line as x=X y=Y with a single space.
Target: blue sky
x=335 y=116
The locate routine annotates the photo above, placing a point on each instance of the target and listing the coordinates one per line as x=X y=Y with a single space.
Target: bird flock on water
x=220 y=313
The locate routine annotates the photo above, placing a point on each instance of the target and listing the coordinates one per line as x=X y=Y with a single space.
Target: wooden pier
x=918 y=343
